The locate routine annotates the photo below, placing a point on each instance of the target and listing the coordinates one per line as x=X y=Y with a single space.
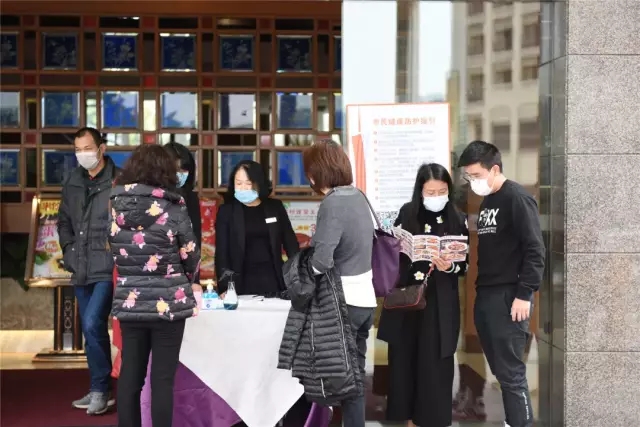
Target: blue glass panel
x=57 y=166
x=294 y=110
x=291 y=170
x=178 y=52
x=337 y=53
x=60 y=109
x=237 y=111
x=9 y=109
x=337 y=113
x=236 y=53
x=228 y=160
x=9 y=167
x=59 y=51
x=8 y=50
x=119 y=109
x=120 y=51
x=119 y=157
x=179 y=110
x=294 y=53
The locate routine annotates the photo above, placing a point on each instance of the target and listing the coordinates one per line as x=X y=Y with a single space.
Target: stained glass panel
x=236 y=53
x=179 y=110
x=237 y=111
x=60 y=109
x=294 y=54
x=9 y=109
x=9 y=50
x=119 y=52
x=227 y=160
x=178 y=52
x=119 y=109
x=119 y=157
x=9 y=167
x=291 y=170
x=57 y=165
x=337 y=53
x=294 y=110
x=59 y=51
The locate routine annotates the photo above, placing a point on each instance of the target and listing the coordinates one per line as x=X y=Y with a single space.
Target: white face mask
x=88 y=159
x=480 y=187
x=435 y=203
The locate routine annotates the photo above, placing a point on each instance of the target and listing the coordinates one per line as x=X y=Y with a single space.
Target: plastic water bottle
x=231 y=297
x=210 y=299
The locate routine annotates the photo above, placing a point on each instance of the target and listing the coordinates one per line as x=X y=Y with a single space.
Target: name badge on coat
x=271 y=220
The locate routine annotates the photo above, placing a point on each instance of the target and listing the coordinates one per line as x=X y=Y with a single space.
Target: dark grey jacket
x=318 y=345
x=155 y=252
x=83 y=224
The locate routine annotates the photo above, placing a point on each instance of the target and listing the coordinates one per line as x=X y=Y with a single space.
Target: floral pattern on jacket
x=153 y=246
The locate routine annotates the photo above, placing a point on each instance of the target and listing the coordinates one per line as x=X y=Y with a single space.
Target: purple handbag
x=385 y=258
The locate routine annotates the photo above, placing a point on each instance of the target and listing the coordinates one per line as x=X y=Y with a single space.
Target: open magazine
x=425 y=247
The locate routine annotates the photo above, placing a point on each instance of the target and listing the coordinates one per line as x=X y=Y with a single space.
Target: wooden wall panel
x=254 y=8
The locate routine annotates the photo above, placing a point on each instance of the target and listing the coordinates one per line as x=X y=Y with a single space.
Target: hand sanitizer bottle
x=231 y=297
x=210 y=299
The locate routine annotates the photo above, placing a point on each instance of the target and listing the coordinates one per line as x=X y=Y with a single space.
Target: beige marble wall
x=25 y=310
x=599 y=153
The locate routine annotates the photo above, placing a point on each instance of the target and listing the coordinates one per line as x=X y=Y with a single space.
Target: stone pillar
x=591 y=92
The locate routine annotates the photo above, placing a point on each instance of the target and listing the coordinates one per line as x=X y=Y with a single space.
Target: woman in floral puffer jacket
x=156 y=258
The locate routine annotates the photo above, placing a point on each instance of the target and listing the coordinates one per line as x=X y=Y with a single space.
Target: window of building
x=475 y=91
x=475 y=7
x=502 y=74
x=529 y=135
x=475 y=45
x=501 y=136
x=531 y=34
x=475 y=127
x=502 y=39
x=530 y=71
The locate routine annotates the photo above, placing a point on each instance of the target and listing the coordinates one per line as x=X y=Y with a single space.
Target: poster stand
x=42 y=272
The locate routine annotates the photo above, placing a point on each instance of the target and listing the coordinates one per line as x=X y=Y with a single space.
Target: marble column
x=591 y=92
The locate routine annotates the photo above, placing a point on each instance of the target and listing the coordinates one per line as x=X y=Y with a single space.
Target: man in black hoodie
x=510 y=268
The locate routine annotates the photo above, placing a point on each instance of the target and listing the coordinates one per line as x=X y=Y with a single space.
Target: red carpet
x=42 y=398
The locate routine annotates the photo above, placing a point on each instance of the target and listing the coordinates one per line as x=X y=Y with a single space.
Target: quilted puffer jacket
x=156 y=257
x=318 y=345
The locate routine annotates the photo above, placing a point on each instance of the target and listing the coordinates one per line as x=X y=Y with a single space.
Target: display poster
x=303 y=219
x=387 y=145
x=208 y=212
x=47 y=254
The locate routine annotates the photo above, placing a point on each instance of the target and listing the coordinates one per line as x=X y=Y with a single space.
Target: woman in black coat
x=252 y=230
x=186 y=182
x=422 y=343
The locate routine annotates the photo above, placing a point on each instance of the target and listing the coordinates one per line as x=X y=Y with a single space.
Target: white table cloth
x=235 y=353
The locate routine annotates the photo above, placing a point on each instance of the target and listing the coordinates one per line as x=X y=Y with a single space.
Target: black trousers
x=503 y=342
x=139 y=339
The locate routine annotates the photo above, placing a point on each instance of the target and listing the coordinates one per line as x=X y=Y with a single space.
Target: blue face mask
x=246 y=196
x=182 y=178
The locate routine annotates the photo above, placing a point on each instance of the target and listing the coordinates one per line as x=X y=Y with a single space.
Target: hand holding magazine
x=426 y=247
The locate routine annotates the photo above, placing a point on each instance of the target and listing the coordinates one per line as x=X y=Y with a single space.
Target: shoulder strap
x=375 y=217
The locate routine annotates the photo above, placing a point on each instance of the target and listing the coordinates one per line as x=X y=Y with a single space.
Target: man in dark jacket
x=83 y=227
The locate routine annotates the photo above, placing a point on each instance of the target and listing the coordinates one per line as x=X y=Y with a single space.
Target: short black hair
x=95 y=135
x=481 y=152
x=257 y=176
